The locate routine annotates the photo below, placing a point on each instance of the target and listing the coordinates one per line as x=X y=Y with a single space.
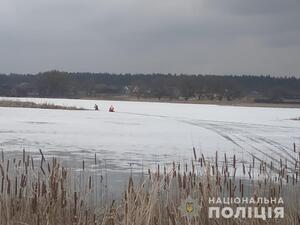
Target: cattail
x=179 y=181
x=34 y=203
x=75 y=204
x=53 y=162
x=230 y=188
x=42 y=170
x=64 y=173
x=27 y=161
x=184 y=181
x=260 y=168
x=47 y=197
x=218 y=179
x=225 y=178
x=2 y=185
x=216 y=160
x=203 y=159
x=8 y=186
x=23 y=156
x=195 y=155
x=271 y=166
x=90 y=182
x=249 y=172
x=242 y=192
x=43 y=158
x=2 y=155
x=234 y=161
x=174 y=170
x=130 y=185
x=201 y=188
x=49 y=169
x=7 y=166
x=23 y=181
x=16 y=186
x=63 y=199
x=32 y=163
x=149 y=173
x=43 y=190
x=2 y=170
x=193 y=167
x=293 y=180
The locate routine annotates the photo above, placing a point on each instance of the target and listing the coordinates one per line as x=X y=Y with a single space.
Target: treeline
x=58 y=84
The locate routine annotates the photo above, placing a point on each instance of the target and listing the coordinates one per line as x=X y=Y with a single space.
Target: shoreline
x=238 y=103
x=199 y=102
x=33 y=105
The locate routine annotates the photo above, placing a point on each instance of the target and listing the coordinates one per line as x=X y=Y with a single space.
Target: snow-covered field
x=142 y=134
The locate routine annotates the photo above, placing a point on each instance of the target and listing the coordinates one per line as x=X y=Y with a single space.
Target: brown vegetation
x=21 y=104
x=45 y=192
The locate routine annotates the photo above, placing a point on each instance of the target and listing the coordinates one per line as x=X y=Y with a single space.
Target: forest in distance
x=58 y=84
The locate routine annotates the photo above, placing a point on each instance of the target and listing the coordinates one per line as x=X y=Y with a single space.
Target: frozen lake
x=139 y=135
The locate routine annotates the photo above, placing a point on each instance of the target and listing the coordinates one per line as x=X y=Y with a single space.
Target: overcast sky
x=168 y=36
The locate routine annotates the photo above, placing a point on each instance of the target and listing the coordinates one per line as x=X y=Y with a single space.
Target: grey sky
x=176 y=36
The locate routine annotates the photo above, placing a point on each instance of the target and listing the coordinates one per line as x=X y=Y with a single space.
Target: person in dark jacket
x=111 y=109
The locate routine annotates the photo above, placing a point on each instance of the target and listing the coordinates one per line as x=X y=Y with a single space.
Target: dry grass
x=298 y=119
x=45 y=192
x=20 y=104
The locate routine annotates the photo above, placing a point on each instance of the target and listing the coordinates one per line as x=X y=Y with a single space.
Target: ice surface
x=141 y=134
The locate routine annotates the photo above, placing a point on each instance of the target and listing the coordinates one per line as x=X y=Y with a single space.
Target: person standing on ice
x=96 y=107
x=111 y=109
